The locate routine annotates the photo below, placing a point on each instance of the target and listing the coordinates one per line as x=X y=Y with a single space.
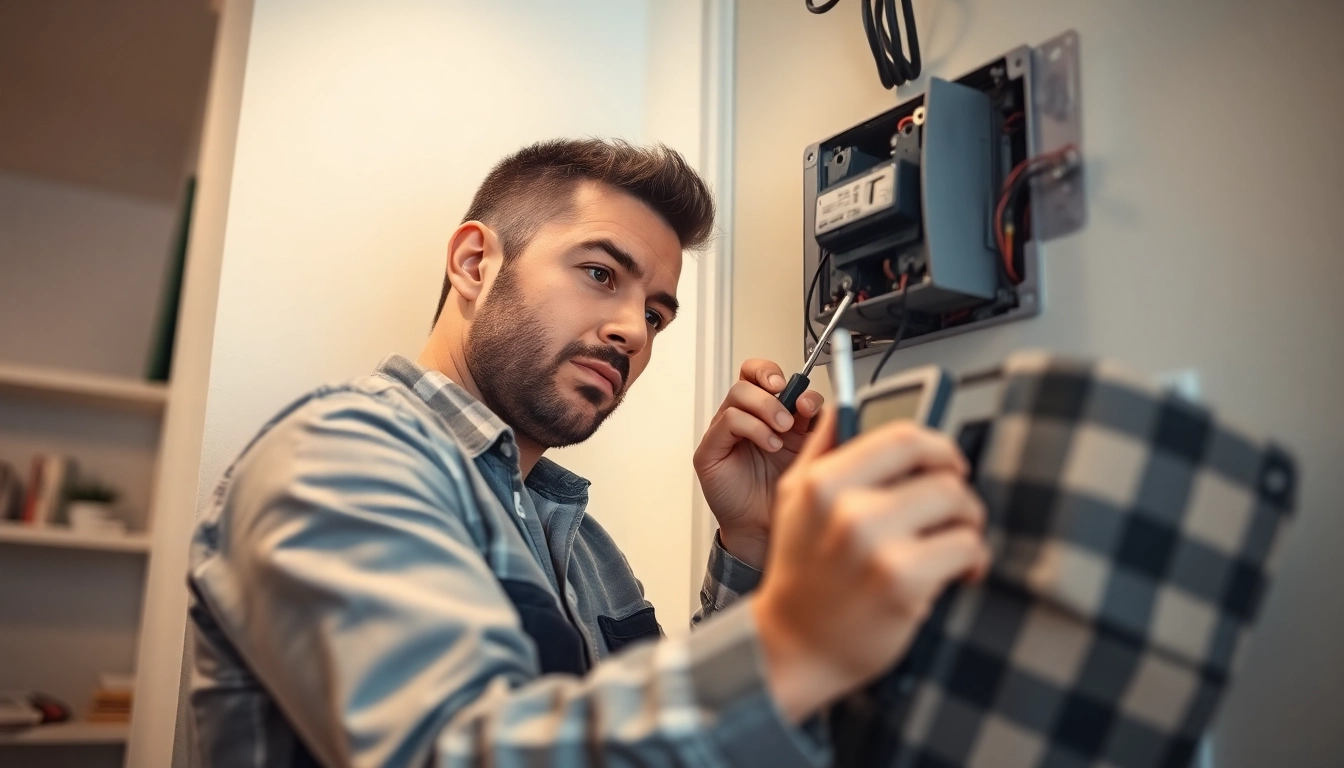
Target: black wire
x=896 y=340
x=884 y=38
x=816 y=276
x=1035 y=168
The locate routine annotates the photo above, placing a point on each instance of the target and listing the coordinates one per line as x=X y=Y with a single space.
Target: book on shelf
x=57 y=473
x=34 y=490
x=11 y=492
x=111 y=701
x=50 y=480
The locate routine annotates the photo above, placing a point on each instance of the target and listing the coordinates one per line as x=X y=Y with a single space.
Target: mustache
x=597 y=352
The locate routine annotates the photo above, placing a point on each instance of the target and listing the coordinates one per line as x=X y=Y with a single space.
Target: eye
x=654 y=319
x=600 y=274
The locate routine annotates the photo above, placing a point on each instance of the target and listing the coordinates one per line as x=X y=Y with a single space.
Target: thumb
x=821 y=437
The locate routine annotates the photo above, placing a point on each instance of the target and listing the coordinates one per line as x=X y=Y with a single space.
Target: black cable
x=1035 y=167
x=816 y=276
x=884 y=38
x=896 y=340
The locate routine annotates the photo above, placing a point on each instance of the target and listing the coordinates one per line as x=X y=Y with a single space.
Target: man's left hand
x=751 y=441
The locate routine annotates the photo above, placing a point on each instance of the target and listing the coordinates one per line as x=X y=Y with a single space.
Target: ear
x=472 y=246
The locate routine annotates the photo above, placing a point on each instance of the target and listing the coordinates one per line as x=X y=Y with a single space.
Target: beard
x=506 y=353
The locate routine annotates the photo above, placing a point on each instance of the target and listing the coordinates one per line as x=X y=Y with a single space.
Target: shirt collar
x=476 y=427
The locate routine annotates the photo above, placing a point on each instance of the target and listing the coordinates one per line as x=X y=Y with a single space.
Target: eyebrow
x=629 y=264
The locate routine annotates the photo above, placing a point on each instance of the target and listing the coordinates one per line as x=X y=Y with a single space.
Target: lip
x=603 y=370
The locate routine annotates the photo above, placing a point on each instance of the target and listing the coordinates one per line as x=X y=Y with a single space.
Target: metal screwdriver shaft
x=798 y=383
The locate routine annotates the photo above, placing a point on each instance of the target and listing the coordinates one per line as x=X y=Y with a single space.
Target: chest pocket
x=559 y=644
x=640 y=625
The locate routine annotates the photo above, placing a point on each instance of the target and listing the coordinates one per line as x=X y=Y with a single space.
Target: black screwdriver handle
x=798 y=384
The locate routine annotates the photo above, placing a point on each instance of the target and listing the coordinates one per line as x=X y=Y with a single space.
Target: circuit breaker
x=932 y=213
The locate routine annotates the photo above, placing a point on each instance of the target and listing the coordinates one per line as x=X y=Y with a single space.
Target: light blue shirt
x=374 y=585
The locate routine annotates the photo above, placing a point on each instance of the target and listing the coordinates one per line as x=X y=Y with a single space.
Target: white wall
x=80 y=275
x=363 y=132
x=640 y=460
x=1214 y=168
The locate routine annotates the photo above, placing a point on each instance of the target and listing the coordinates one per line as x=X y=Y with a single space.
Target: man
x=392 y=573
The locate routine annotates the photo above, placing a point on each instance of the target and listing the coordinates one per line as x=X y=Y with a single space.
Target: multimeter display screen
x=892 y=406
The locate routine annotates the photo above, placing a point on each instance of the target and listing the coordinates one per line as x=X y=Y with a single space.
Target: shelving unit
x=79 y=388
x=78 y=611
x=67 y=733
x=52 y=536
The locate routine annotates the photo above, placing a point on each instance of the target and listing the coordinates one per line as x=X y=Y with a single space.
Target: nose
x=627 y=330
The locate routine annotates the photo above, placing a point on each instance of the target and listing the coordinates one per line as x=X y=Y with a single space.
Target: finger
x=925 y=566
x=820 y=440
x=747 y=396
x=809 y=404
x=928 y=503
x=890 y=453
x=922 y=506
x=794 y=439
x=763 y=373
x=736 y=424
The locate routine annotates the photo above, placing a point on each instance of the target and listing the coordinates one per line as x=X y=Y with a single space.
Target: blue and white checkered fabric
x=1132 y=534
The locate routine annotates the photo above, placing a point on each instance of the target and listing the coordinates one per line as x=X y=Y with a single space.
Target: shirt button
x=518 y=504
x=507 y=450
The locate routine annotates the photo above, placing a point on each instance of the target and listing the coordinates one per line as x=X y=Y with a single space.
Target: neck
x=450 y=360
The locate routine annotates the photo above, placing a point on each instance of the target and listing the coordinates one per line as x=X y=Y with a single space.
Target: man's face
x=568 y=324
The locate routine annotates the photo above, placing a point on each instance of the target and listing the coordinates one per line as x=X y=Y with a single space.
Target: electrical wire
x=900 y=330
x=1013 y=184
x=811 y=289
x=883 y=29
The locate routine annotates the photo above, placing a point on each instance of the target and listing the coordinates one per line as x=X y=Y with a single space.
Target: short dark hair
x=536 y=184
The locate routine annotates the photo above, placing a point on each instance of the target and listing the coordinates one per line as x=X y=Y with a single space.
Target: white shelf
x=68 y=733
x=52 y=536
x=80 y=388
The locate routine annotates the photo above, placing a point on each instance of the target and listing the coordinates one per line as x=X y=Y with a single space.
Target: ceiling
x=104 y=93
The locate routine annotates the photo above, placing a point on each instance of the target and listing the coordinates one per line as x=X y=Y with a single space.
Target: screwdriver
x=798 y=383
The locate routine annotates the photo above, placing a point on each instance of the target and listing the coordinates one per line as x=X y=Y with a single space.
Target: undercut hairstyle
x=536 y=185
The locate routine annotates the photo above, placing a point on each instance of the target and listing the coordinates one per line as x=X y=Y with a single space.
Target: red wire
x=1005 y=245
x=904 y=122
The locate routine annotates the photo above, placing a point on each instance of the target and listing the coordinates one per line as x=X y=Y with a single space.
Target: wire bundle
x=883 y=29
x=1005 y=230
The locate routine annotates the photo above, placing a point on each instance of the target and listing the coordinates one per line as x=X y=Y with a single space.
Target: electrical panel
x=932 y=213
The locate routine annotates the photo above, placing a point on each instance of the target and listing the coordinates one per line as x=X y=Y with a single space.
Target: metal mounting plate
x=1060 y=204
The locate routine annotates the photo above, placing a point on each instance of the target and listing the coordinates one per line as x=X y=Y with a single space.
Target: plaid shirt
x=368 y=588
x=1132 y=534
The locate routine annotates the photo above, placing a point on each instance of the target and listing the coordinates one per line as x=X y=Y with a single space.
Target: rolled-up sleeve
x=349 y=577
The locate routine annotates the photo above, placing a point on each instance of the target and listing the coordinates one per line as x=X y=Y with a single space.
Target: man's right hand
x=866 y=536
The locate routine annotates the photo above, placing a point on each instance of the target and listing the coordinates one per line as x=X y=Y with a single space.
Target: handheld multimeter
x=921 y=395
